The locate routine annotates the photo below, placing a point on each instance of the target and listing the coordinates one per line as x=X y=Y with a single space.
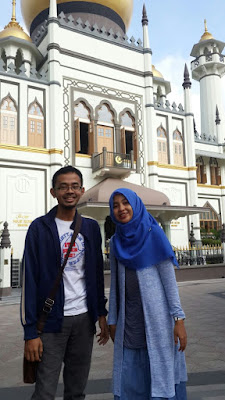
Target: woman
x=145 y=315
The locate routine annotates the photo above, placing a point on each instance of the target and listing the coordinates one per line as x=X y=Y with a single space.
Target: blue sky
x=174 y=27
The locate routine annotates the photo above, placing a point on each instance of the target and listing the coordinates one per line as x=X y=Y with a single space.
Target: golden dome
x=32 y=8
x=156 y=73
x=13 y=28
x=206 y=35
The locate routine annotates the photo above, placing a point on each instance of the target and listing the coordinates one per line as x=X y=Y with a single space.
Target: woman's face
x=122 y=209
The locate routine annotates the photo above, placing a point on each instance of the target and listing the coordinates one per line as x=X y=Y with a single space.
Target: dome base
x=91 y=12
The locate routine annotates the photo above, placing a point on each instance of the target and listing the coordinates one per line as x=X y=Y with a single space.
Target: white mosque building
x=78 y=91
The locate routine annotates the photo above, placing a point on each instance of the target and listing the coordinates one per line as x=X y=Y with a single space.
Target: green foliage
x=211 y=238
x=211 y=242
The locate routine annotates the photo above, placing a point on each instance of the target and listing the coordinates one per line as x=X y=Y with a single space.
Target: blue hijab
x=139 y=243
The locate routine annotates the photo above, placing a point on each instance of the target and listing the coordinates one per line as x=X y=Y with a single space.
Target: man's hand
x=33 y=349
x=180 y=332
x=104 y=334
x=112 y=331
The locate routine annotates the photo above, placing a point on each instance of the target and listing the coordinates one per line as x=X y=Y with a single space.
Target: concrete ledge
x=199 y=272
x=190 y=273
x=5 y=291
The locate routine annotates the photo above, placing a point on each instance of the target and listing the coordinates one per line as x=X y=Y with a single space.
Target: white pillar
x=5 y=263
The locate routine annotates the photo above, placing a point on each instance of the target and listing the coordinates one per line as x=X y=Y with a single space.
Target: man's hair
x=66 y=170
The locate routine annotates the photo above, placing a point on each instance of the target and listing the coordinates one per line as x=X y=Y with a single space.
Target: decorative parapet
x=206 y=139
x=93 y=30
x=206 y=58
x=34 y=75
x=165 y=106
x=41 y=33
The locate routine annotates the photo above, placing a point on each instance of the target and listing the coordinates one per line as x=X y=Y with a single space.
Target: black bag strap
x=49 y=302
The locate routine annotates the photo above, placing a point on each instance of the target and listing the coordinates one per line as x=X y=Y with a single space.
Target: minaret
x=150 y=138
x=207 y=68
x=190 y=151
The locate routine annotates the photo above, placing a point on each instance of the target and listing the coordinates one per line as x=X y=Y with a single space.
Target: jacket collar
x=49 y=219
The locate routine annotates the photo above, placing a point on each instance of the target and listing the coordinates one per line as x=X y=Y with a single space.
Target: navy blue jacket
x=41 y=262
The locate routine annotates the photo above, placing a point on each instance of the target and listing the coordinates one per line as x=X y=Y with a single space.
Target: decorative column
x=166 y=228
x=55 y=100
x=189 y=144
x=150 y=137
x=5 y=267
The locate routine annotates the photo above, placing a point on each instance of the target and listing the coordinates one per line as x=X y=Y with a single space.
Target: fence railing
x=199 y=255
x=108 y=159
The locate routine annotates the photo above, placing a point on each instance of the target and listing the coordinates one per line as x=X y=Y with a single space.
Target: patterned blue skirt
x=136 y=378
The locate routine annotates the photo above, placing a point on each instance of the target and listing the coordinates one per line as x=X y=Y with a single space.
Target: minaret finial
x=144 y=16
x=205 y=23
x=13 y=19
x=187 y=82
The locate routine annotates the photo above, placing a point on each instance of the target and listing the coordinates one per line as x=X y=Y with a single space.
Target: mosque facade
x=79 y=92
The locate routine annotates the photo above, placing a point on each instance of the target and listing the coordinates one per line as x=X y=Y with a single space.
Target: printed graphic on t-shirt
x=76 y=253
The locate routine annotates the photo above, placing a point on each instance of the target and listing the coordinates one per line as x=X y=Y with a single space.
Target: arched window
x=201 y=171
x=8 y=132
x=128 y=135
x=215 y=173
x=105 y=128
x=18 y=61
x=84 y=129
x=210 y=219
x=178 y=149
x=158 y=94
x=4 y=59
x=35 y=125
x=162 y=145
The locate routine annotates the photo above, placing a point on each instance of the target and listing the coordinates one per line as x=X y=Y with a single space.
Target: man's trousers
x=73 y=347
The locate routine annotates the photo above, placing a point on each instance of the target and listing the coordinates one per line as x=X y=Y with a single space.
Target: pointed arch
x=35 y=124
x=158 y=94
x=83 y=127
x=215 y=172
x=210 y=219
x=19 y=61
x=162 y=143
x=9 y=120
x=4 y=59
x=178 y=148
x=106 y=117
x=128 y=133
x=201 y=171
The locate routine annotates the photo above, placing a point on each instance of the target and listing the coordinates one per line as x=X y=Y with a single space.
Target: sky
x=174 y=27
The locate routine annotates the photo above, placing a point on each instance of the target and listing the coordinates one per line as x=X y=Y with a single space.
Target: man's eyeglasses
x=74 y=187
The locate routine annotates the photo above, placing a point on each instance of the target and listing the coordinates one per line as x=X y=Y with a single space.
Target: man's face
x=67 y=190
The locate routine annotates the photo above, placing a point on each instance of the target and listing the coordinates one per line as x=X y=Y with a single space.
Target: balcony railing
x=112 y=161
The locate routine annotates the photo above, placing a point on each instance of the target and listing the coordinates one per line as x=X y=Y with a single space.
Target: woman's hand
x=112 y=331
x=180 y=332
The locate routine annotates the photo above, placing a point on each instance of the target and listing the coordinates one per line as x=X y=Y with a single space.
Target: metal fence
x=108 y=159
x=201 y=255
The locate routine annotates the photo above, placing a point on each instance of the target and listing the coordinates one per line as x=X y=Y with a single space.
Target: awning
x=95 y=201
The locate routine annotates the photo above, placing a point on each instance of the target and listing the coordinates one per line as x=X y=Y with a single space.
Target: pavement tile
x=204 y=305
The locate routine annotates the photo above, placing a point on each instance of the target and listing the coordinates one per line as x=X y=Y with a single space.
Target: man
x=70 y=327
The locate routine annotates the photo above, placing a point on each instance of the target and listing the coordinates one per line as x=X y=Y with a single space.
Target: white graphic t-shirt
x=74 y=274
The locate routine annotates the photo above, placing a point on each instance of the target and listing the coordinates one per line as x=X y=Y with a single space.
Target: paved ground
x=204 y=304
